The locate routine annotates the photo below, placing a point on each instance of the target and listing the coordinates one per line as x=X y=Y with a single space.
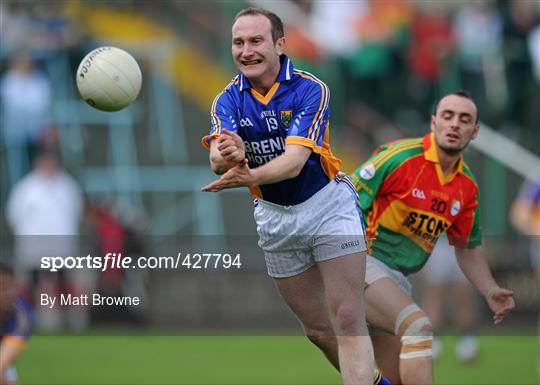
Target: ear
x=475 y=132
x=280 y=45
x=432 y=125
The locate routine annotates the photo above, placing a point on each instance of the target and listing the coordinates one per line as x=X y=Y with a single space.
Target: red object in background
x=111 y=239
x=432 y=39
x=300 y=45
x=384 y=19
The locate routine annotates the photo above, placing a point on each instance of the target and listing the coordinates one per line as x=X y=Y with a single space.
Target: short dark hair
x=461 y=93
x=275 y=21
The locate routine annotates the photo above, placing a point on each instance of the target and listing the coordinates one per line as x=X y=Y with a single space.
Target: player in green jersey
x=411 y=192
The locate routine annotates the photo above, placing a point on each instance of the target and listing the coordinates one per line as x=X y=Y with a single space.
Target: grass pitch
x=242 y=360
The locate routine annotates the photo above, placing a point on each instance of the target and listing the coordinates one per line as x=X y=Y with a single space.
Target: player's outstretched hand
x=501 y=302
x=231 y=146
x=237 y=176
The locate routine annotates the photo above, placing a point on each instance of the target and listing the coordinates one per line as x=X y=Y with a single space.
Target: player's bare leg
x=390 y=309
x=304 y=293
x=309 y=297
x=387 y=348
x=343 y=280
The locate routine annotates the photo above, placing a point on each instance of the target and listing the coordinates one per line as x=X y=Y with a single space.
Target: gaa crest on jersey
x=456 y=206
x=286 y=117
x=368 y=171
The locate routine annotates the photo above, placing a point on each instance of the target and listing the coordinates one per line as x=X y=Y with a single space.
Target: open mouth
x=452 y=136
x=251 y=62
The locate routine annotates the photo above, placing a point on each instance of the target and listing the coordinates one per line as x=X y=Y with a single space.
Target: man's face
x=253 y=50
x=454 y=124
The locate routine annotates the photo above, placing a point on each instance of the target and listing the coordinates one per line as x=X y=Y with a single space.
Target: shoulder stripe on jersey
x=390 y=148
x=400 y=142
x=323 y=104
x=319 y=124
x=383 y=156
x=288 y=72
x=409 y=158
x=314 y=129
x=391 y=154
x=216 y=122
x=382 y=161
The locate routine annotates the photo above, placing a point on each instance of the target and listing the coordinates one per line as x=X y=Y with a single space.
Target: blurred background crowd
x=109 y=179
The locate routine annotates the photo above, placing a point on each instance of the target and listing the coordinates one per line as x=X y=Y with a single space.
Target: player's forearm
x=475 y=267
x=275 y=171
x=286 y=166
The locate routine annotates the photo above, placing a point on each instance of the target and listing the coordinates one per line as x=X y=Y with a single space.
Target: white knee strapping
x=407 y=311
x=417 y=337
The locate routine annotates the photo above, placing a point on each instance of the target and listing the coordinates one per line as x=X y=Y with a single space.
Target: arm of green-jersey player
x=475 y=267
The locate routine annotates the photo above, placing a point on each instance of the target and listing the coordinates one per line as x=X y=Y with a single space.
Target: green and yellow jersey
x=408 y=203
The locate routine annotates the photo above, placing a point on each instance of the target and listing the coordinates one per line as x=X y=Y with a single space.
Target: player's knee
x=320 y=336
x=347 y=319
x=416 y=333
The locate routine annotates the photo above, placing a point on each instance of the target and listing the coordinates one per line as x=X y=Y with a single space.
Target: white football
x=109 y=79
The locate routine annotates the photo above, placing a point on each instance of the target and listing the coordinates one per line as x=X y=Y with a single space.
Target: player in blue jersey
x=525 y=216
x=15 y=322
x=270 y=130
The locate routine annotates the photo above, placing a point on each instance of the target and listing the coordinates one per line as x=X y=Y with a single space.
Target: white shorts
x=376 y=270
x=442 y=267
x=326 y=226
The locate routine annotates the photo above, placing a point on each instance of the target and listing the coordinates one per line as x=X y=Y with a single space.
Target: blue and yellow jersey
x=530 y=193
x=409 y=203
x=16 y=326
x=294 y=111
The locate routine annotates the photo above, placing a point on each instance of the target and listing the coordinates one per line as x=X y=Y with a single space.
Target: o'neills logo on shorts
x=346 y=245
